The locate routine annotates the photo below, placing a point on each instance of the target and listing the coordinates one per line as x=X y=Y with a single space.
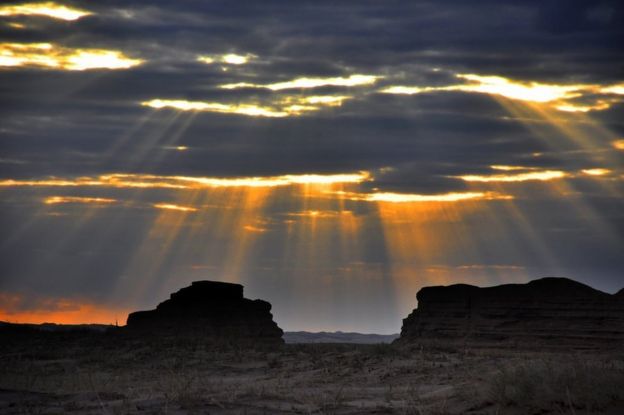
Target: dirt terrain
x=48 y=373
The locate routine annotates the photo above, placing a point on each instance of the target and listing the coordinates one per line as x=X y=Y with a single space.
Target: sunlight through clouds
x=171 y=206
x=122 y=180
x=618 y=144
x=544 y=175
x=51 y=56
x=229 y=58
x=560 y=96
x=390 y=197
x=307 y=83
x=53 y=200
x=242 y=109
x=281 y=107
x=49 y=9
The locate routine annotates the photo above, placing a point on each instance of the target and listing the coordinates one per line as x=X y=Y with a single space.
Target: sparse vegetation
x=576 y=383
x=103 y=374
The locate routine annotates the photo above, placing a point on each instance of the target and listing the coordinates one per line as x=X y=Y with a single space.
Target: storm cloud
x=485 y=134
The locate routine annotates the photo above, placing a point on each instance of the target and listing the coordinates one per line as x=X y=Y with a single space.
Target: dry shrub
x=575 y=383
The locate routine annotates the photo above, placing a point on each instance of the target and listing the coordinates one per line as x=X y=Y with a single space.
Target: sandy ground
x=102 y=374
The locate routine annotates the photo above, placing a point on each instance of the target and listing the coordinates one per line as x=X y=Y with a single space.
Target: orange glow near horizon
x=58 y=311
x=322 y=220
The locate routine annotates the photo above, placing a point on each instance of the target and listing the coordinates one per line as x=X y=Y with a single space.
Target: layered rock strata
x=211 y=309
x=556 y=309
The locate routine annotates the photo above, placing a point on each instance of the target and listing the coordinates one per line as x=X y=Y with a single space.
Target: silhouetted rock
x=213 y=309
x=548 y=308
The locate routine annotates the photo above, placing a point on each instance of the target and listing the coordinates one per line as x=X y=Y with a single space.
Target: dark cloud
x=88 y=123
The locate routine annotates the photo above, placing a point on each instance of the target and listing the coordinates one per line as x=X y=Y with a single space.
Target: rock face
x=213 y=309
x=546 y=309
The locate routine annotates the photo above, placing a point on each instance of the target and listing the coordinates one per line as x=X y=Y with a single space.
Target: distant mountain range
x=289 y=336
x=337 y=337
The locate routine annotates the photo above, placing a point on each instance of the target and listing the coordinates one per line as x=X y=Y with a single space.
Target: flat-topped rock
x=216 y=310
x=549 y=308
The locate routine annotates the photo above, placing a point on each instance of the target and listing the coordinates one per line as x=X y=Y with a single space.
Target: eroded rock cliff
x=215 y=310
x=556 y=309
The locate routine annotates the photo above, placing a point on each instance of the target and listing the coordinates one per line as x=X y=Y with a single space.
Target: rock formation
x=215 y=310
x=546 y=309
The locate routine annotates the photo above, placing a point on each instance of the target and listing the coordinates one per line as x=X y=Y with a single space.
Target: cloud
x=171 y=206
x=48 y=9
x=307 y=83
x=559 y=96
x=544 y=175
x=51 y=56
x=145 y=181
x=228 y=58
x=390 y=197
x=270 y=98
x=55 y=200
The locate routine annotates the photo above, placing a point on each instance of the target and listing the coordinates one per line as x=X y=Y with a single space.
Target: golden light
x=598 y=106
x=242 y=109
x=618 y=144
x=51 y=56
x=306 y=83
x=49 y=9
x=391 y=197
x=146 y=181
x=557 y=96
x=510 y=168
x=176 y=148
x=234 y=59
x=596 y=172
x=53 y=200
x=439 y=198
x=524 y=91
x=328 y=178
x=617 y=89
x=544 y=175
x=297 y=105
x=279 y=107
x=229 y=58
x=252 y=228
x=206 y=59
x=407 y=90
x=318 y=213
x=171 y=206
x=15 y=25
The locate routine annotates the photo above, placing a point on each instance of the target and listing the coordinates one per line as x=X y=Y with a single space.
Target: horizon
x=292 y=329
x=332 y=159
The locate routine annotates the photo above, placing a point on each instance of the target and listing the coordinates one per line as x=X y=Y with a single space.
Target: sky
x=332 y=157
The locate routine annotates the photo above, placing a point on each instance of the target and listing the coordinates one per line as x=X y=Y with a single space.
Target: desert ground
x=95 y=373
